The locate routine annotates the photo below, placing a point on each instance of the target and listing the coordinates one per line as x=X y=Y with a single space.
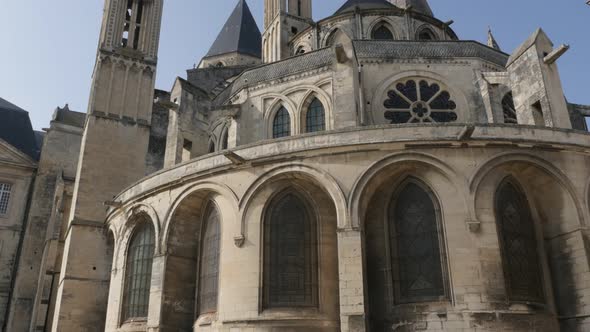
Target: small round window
x=419 y=101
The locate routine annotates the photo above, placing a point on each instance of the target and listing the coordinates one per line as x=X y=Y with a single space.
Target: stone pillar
x=352 y=287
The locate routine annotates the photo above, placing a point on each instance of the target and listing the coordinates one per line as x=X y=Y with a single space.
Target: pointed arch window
x=518 y=244
x=315 y=119
x=509 y=109
x=209 y=269
x=416 y=244
x=281 y=125
x=138 y=272
x=290 y=254
x=381 y=32
x=426 y=34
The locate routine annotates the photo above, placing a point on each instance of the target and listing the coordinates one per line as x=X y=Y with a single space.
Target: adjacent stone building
x=366 y=172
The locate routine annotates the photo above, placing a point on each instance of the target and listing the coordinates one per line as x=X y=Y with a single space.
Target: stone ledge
x=356 y=139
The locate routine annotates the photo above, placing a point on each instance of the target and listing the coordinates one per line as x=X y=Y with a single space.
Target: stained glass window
x=138 y=274
x=290 y=260
x=519 y=244
x=381 y=32
x=423 y=102
x=209 y=271
x=509 y=109
x=415 y=245
x=316 y=117
x=281 y=125
x=5 y=190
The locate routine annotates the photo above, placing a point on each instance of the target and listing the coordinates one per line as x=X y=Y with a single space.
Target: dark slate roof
x=239 y=34
x=16 y=129
x=272 y=71
x=432 y=49
x=350 y=5
x=39 y=138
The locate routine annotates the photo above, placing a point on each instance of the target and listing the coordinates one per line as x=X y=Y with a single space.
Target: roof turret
x=492 y=41
x=239 y=34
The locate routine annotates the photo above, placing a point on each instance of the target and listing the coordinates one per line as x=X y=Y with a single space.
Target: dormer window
x=133 y=24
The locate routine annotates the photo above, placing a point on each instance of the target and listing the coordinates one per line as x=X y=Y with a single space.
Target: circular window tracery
x=422 y=102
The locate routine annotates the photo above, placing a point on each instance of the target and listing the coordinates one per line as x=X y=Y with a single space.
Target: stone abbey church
x=370 y=171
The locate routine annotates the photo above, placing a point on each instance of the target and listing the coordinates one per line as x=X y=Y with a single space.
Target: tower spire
x=492 y=41
x=420 y=6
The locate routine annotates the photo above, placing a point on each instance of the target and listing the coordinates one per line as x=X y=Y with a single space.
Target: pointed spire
x=239 y=34
x=420 y=6
x=492 y=41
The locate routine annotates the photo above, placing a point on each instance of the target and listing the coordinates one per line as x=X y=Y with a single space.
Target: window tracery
x=415 y=244
x=290 y=260
x=518 y=244
x=422 y=102
x=316 y=117
x=138 y=273
x=281 y=125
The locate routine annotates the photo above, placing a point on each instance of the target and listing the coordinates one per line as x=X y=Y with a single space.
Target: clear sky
x=48 y=48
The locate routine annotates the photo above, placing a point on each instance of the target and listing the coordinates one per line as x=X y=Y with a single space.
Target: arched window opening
x=415 y=237
x=225 y=139
x=300 y=50
x=290 y=254
x=316 y=117
x=281 y=125
x=509 y=109
x=132 y=24
x=381 y=32
x=138 y=273
x=209 y=264
x=426 y=34
x=219 y=64
x=419 y=101
x=518 y=244
x=211 y=147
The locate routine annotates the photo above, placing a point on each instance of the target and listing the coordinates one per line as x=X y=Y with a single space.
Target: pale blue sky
x=48 y=48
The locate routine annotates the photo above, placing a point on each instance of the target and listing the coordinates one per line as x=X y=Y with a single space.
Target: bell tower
x=112 y=156
x=283 y=19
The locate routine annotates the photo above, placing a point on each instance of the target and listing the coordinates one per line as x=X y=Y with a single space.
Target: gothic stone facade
x=366 y=172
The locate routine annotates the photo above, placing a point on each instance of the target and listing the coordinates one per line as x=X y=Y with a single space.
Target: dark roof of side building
x=239 y=34
x=16 y=129
x=350 y=5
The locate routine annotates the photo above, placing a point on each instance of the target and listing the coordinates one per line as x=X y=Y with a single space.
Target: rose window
x=412 y=102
